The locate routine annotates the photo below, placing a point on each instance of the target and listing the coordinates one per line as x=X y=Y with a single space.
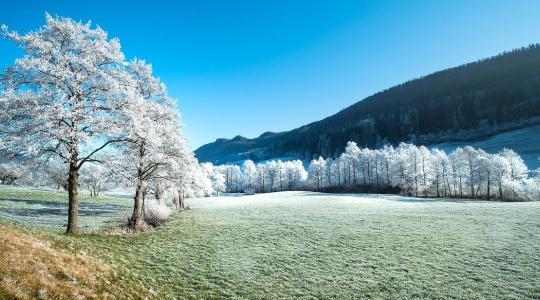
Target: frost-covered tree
x=386 y=161
x=202 y=186
x=408 y=168
x=486 y=173
x=55 y=173
x=95 y=177
x=261 y=177
x=249 y=171
x=459 y=164
x=154 y=148
x=500 y=171
x=281 y=174
x=517 y=168
x=10 y=173
x=353 y=157
x=471 y=157
x=317 y=171
x=517 y=172
x=62 y=98
x=295 y=173
x=271 y=174
x=185 y=173
x=218 y=183
x=216 y=178
x=426 y=166
x=233 y=177
x=441 y=170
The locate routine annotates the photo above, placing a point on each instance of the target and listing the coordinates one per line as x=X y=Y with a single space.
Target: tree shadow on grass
x=396 y=198
x=53 y=208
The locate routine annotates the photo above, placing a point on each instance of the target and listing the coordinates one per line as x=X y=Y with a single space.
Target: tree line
x=407 y=170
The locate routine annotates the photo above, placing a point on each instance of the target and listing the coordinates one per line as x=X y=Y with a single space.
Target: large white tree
x=62 y=98
x=153 y=141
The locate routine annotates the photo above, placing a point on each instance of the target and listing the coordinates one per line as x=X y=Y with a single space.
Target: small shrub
x=156 y=214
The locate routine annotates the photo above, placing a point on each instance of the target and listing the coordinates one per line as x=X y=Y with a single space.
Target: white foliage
x=95 y=178
x=156 y=214
x=10 y=173
x=63 y=97
x=412 y=170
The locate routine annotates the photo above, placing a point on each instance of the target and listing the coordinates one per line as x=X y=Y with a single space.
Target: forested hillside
x=466 y=103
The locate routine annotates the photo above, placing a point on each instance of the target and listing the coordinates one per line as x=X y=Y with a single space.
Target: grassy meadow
x=301 y=245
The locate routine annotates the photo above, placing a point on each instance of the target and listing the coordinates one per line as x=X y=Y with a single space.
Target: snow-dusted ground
x=314 y=245
x=317 y=246
x=348 y=203
x=526 y=142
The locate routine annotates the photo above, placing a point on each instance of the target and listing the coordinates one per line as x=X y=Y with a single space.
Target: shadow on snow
x=396 y=198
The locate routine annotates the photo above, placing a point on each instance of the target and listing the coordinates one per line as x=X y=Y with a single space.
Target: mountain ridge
x=466 y=102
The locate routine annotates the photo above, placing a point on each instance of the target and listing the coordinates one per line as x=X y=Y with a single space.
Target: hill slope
x=467 y=103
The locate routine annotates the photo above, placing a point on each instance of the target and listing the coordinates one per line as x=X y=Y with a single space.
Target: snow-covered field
x=304 y=244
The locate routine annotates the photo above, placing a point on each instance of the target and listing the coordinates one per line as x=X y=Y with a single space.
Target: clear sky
x=246 y=67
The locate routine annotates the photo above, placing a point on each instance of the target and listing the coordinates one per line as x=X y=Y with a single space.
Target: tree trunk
x=488 y=191
x=181 y=205
x=158 y=194
x=460 y=188
x=500 y=189
x=471 y=176
x=176 y=200
x=143 y=209
x=73 y=196
x=437 y=182
x=137 y=206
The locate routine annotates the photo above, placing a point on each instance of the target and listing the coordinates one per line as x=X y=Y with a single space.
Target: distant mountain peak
x=267 y=134
x=239 y=138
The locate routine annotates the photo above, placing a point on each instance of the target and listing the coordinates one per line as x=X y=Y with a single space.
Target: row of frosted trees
x=271 y=176
x=407 y=169
x=418 y=171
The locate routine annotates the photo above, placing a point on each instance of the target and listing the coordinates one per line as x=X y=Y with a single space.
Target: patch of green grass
x=310 y=245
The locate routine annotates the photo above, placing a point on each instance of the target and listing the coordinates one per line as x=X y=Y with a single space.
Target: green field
x=311 y=245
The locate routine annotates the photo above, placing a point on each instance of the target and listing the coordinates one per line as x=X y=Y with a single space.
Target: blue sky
x=246 y=67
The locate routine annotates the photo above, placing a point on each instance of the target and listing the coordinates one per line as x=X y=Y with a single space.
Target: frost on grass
x=313 y=245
